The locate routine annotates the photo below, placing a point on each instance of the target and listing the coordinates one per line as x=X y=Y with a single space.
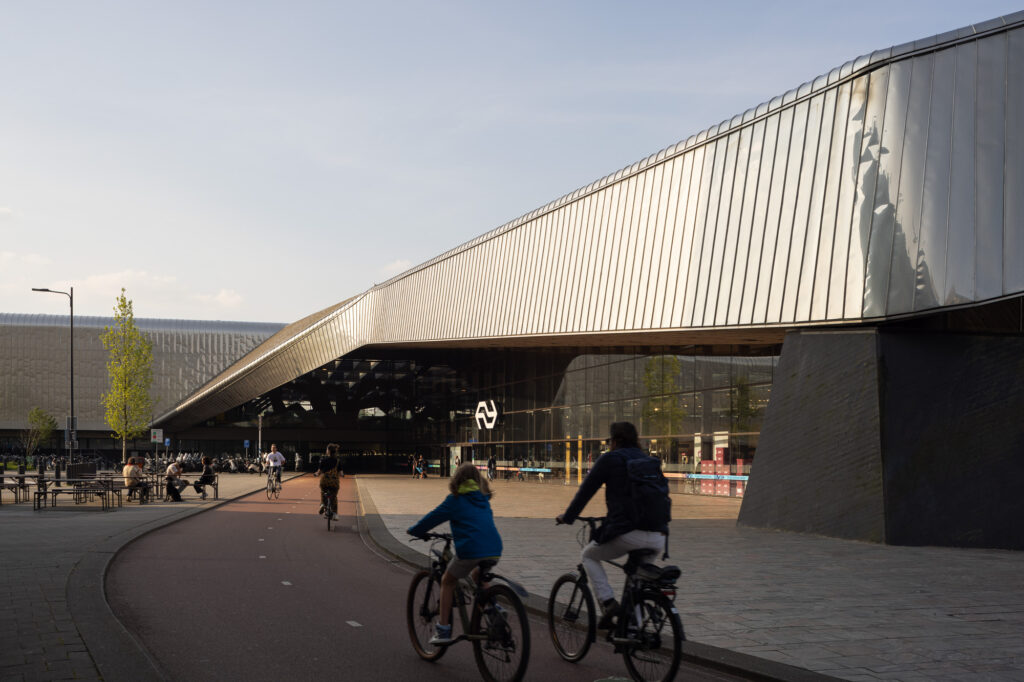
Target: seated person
x=206 y=478
x=134 y=481
x=174 y=483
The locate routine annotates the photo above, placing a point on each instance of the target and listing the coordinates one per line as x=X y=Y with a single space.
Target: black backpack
x=650 y=507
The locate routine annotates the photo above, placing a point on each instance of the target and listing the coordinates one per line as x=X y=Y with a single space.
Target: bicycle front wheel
x=572 y=620
x=270 y=489
x=502 y=655
x=422 y=608
x=656 y=632
x=277 y=491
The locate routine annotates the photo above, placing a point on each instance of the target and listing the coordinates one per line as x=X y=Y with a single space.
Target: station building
x=817 y=306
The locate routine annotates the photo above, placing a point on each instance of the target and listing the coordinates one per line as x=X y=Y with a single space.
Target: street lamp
x=72 y=426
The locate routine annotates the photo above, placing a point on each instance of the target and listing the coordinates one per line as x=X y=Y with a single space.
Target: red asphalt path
x=259 y=590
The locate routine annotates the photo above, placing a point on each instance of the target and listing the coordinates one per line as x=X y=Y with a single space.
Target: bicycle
x=325 y=508
x=497 y=624
x=647 y=631
x=273 y=484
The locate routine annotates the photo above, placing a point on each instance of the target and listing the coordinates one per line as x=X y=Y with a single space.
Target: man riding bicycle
x=618 y=535
x=275 y=462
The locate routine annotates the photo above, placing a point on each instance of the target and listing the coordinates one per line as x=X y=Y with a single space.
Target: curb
x=372 y=528
x=116 y=653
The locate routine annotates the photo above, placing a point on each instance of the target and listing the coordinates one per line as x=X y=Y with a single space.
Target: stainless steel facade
x=889 y=187
x=34 y=362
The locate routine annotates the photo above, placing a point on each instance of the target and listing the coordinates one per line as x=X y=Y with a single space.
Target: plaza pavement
x=55 y=623
x=778 y=605
x=769 y=602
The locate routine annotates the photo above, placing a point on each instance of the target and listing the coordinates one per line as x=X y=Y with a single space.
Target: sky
x=258 y=161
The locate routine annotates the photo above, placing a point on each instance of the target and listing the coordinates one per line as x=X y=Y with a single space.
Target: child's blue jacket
x=472 y=523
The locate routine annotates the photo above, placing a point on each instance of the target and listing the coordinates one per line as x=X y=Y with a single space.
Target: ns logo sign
x=486 y=414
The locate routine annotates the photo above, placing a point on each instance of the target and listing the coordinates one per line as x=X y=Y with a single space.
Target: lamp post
x=72 y=426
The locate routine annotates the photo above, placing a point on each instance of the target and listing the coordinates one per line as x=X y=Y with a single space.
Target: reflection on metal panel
x=847 y=193
x=960 y=270
x=989 y=163
x=1013 y=216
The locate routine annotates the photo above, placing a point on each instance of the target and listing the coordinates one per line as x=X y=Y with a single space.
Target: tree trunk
x=124 y=452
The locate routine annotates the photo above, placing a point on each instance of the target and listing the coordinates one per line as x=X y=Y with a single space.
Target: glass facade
x=692 y=406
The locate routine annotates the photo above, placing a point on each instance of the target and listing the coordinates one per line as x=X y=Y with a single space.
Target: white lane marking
x=270 y=528
x=354 y=623
x=285 y=582
x=261 y=539
x=263 y=556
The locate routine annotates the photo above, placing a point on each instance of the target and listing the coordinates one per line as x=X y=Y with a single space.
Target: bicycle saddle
x=659 y=574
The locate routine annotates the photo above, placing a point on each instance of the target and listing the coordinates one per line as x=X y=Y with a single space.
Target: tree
x=662 y=409
x=41 y=426
x=130 y=367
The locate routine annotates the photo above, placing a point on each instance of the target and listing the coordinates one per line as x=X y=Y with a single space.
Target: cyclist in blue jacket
x=468 y=511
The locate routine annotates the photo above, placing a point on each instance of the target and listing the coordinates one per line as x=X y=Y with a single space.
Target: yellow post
x=579 y=460
x=568 y=462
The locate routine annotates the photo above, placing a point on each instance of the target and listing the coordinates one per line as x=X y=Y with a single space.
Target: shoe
x=611 y=610
x=442 y=635
x=334 y=517
x=321 y=512
x=203 y=496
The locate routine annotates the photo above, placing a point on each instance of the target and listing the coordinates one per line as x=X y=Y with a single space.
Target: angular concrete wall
x=818 y=467
x=897 y=437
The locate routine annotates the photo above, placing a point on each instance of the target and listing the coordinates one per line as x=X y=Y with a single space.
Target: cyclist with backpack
x=639 y=509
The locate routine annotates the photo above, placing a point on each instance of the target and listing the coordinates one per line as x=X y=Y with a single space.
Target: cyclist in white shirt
x=275 y=460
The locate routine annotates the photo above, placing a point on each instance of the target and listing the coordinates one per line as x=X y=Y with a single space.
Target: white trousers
x=593 y=554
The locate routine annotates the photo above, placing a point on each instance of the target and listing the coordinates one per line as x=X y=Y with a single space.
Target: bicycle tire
x=270 y=489
x=505 y=653
x=422 y=607
x=572 y=620
x=277 y=491
x=659 y=631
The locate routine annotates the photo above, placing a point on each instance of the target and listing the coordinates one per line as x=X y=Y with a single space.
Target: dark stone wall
x=818 y=467
x=906 y=438
x=953 y=439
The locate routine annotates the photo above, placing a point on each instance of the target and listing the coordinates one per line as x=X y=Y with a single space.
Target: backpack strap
x=665 y=555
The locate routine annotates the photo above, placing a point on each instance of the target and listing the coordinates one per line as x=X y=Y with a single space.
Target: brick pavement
x=852 y=610
x=55 y=624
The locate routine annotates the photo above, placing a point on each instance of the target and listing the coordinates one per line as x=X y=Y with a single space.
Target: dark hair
x=467 y=471
x=624 y=435
x=206 y=459
x=332 y=449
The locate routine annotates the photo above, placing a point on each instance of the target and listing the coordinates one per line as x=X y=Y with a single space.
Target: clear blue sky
x=252 y=160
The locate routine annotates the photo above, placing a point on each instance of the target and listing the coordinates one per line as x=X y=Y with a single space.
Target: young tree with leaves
x=130 y=367
x=41 y=426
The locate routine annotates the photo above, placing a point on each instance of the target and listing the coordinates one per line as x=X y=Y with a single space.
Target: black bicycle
x=647 y=631
x=496 y=623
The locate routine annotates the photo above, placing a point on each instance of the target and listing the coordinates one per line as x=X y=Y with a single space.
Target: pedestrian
x=329 y=482
x=619 y=534
x=467 y=509
x=412 y=465
x=492 y=467
x=421 y=467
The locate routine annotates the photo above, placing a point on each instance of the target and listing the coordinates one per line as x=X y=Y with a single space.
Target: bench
x=81 y=490
x=11 y=483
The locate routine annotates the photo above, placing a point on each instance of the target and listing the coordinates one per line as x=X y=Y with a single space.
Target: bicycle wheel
x=422 y=607
x=270 y=488
x=504 y=653
x=572 y=620
x=657 y=632
x=277 y=490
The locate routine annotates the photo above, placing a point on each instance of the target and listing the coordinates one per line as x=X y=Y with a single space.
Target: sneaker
x=334 y=517
x=611 y=610
x=321 y=512
x=442 y=635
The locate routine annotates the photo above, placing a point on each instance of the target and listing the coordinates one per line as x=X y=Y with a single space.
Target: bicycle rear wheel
x=422 y=608
x=505 y=652
x=657 y=632
x=572 y=620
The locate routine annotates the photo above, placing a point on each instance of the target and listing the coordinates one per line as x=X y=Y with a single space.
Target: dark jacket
x=472 y=523
x=609 y=470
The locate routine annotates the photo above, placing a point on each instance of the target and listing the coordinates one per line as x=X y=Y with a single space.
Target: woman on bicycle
x=329 y=483
x=468 y=511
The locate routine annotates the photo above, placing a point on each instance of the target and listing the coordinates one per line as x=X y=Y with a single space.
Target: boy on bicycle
x=468 y=511
x=618 y=535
